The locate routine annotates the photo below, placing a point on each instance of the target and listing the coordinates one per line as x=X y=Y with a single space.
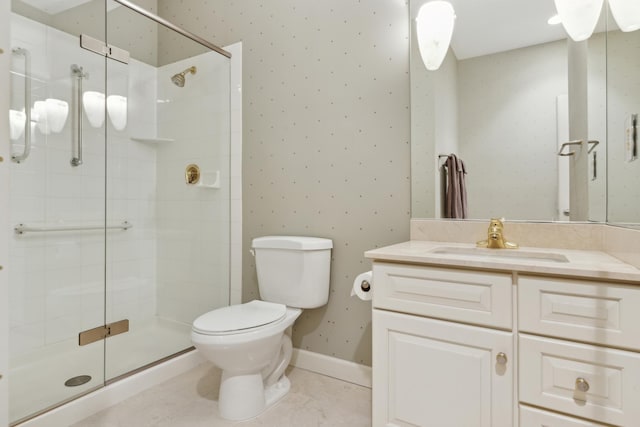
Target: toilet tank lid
x=292 y=242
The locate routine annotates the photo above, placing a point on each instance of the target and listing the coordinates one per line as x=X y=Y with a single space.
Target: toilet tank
x=293 y=270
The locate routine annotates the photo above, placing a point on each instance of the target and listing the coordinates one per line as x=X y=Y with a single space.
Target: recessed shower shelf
x=153 y=140
x=216 y=186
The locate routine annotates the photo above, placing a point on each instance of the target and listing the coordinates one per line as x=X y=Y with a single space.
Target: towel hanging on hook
x=456 y=189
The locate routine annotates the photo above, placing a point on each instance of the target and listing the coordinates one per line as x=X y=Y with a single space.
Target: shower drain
x=76 y=381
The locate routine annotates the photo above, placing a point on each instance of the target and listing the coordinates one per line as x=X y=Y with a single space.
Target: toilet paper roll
x=362 y=286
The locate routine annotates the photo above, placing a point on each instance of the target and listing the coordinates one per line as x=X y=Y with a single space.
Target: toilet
x=251 y=342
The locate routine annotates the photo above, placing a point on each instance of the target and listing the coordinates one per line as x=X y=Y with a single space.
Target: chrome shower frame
x=173 y=27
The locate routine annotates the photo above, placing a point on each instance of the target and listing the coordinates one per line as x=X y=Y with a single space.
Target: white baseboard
x=332 y=367
x=85 y=406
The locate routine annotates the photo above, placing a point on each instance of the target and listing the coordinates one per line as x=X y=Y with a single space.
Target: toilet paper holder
x=363 y=286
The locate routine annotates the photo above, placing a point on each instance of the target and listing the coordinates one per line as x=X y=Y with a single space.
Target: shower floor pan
x=38 y=381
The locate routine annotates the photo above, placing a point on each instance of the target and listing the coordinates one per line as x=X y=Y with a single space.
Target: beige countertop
x=575 y=263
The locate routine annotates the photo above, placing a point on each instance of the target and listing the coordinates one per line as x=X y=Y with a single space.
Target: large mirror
x=500 y=102
x=623 y=111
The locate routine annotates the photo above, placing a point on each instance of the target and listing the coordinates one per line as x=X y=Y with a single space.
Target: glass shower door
x=120 y=196
x=56 y=268
x=172 y=265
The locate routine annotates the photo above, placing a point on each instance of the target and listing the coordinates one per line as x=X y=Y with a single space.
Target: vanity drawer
x=594 y=312
x=533 y=417
x=553 y=371
x=476 y=297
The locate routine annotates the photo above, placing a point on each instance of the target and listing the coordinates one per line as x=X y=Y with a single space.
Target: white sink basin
x=505 y=254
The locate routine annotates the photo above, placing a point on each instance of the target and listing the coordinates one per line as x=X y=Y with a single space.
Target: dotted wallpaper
x=134 y=33
x=326 y=137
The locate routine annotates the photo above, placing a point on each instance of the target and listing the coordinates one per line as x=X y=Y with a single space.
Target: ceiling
x=483 y=27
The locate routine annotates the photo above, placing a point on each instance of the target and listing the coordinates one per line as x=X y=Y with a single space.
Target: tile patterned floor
x=190 y=400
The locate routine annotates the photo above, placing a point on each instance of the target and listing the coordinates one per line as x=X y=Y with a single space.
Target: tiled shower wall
x=193 y=220
x=57 y=278
x=326 y=137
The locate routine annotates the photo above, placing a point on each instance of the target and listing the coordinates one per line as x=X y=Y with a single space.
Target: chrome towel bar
x=22 y=228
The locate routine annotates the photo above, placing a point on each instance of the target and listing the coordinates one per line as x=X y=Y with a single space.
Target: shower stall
x=118 y=245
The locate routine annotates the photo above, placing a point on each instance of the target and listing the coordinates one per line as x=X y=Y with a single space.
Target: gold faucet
x=495 y=238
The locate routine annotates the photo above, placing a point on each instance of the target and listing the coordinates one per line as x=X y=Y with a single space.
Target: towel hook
x=561 y=152
x=568 y=144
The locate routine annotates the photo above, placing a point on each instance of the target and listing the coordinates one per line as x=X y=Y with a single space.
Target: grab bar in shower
x=22 y=228
x=19 y=158
x=76 y=142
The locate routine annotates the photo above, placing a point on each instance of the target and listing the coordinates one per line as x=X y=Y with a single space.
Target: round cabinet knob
x=501 y=358
x=582 y=385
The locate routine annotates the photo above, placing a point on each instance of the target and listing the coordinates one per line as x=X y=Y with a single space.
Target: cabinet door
x=429 y=372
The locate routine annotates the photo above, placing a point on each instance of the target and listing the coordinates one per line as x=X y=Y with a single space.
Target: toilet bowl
x=252 y=358
x=251 y=342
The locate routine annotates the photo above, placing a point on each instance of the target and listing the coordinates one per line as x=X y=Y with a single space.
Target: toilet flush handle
x=252 y=252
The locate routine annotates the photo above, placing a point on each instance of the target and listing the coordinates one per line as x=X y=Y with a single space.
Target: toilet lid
x=241 y=316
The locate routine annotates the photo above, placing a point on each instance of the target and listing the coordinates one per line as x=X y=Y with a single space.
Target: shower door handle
x=101 y=332
x=77 y=74
x=27 y=105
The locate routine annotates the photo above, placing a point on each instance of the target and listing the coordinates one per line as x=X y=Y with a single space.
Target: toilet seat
x=239 y=318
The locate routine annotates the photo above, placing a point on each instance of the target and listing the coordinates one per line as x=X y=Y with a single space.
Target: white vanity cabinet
x=432 y=372
x=461 y=347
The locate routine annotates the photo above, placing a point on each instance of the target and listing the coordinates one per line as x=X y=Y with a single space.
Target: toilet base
x=244 y=396
x=276 y=391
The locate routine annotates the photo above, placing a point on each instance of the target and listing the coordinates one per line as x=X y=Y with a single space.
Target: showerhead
x=179 y=80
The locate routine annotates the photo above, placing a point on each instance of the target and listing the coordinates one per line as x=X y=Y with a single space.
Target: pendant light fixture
x=117 y=110
x=94 y=107
x=579 y=17
x=626 y=13
x=434 y=28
